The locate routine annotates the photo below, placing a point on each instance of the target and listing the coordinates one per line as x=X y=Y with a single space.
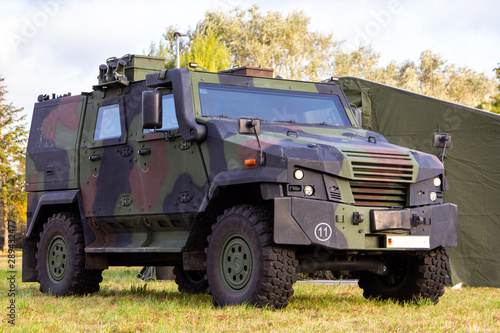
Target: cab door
x=106 y=160
x=169 y=175
x=127 y=172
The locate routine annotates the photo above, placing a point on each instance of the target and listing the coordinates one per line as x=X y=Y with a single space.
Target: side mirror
x=442 y=140
x=358 y=114
x=151 y=110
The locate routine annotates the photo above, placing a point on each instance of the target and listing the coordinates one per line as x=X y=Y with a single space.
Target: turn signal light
x=251 y=162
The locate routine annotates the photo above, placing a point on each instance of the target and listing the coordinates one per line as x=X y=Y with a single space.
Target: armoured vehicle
x=238 y=179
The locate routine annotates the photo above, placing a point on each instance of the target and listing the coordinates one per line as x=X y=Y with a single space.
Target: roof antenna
x=176 y=36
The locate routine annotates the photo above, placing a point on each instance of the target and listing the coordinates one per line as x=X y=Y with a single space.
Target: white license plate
x=408 y=242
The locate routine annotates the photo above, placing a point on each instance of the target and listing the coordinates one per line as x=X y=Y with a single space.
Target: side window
x=108 y=125
x=168 y=109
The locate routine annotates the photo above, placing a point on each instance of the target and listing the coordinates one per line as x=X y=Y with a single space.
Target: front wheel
x=413 y=277
x=61 y=258
x=243 y=263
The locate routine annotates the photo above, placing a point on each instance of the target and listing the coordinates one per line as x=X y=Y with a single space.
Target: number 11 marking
x=323 y=232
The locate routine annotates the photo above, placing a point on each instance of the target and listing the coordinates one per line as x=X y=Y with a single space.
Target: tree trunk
x=3 y=217
x=4 y=223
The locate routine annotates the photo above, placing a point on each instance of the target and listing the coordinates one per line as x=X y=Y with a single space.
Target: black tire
x=193 y=282
x=413 y=277
x=243 y=263
x=61 y=258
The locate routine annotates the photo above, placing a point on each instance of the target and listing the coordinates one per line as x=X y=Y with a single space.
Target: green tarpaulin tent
x=472 y=166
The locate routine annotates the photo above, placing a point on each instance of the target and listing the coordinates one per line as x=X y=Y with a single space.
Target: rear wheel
x=413 y=277
x=243 y=263
x=190 y=281
x=61 y=258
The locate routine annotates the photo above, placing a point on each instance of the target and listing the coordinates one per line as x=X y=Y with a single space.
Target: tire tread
x=279 y=263
x=83 y=281
x=429 y=272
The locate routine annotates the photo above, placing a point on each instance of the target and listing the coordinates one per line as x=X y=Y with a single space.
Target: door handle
x=145 y=151
x=95 y=157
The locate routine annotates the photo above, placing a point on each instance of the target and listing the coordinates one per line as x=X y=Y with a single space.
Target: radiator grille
x=381 y=194
x=381 y=166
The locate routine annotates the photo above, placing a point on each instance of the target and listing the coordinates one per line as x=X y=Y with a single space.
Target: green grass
x=126 y=304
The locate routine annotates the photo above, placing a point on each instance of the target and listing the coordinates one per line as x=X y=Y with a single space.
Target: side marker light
x=251 y=162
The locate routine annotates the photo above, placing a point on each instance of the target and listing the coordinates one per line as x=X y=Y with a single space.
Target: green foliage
x=203 y=48
x=492 y=104
x=361 y=62
x=207 y=51
x=431 y=76
x=272 y=40
x=167 y=47
x=13 y=136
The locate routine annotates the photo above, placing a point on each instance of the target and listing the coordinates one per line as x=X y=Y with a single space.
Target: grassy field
x=126 y=304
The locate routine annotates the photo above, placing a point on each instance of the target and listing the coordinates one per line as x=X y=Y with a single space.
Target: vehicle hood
x=350 y=153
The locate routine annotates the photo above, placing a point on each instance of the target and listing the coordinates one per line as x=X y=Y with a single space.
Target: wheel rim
x=236 y=263
x=399 y=271
x=57 y=260
x=195 y=276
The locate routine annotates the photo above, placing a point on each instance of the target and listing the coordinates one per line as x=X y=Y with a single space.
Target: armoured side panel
x=52 y=157
x=140 y=189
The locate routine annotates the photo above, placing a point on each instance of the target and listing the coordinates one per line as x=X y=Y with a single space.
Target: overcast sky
x=56 y=46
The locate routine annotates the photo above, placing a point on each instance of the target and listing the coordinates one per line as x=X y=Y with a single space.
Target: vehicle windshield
x=271 y=105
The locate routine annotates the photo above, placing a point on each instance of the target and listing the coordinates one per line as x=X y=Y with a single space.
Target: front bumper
x=299 y=221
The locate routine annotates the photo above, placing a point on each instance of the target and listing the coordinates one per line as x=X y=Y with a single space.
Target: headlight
x=433 y=196
x=298 y=174
x=308 y=190
x=437 y=181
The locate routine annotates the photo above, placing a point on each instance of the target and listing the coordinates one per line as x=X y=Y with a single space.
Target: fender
x=67 y=197
x=261 y=175
x=52 y=198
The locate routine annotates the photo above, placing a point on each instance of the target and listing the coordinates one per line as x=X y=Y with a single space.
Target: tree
x=361 y=62
x=493 y=104
x=431 y=76
x=207 y=51
x=167 y=47
x=272 y=40
x=408 y=76
x=13 y=136
x=285 y=43
x=460 y=85
x=203 y=48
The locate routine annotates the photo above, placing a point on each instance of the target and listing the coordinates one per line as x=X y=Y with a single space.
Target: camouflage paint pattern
x=51 y=159
x=142 y=192
x=135 y=200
